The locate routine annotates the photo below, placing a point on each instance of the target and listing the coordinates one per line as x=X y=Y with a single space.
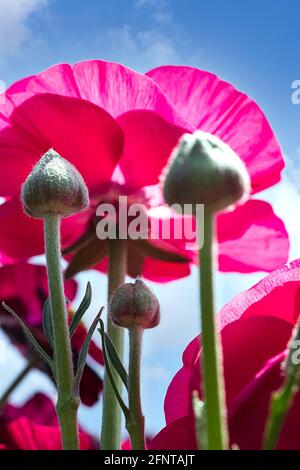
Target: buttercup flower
x=255 y=327
x=24 y=288
x=118 y=128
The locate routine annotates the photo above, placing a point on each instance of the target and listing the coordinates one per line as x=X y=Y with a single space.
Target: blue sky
x=254 y=44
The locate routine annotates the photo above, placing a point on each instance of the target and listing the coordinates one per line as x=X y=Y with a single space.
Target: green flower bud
x=54 y=186
x=134 y=304
x=204 y=170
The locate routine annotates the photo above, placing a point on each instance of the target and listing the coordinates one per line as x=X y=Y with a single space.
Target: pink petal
x=277 y=295
x=163 y=271
x=149 y=142
x=251 y=238
x=26 y=435
x=91 y=139
x=39 y=408
x=119 y=89
x=179 y=435
x=22 y=237
x=177 y=401
x=249 y=411
x=212 y=105
x=111 y=86
x=155 y=270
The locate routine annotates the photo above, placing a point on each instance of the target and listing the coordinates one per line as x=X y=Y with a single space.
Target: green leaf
x=87 y=257
x=109 y=372
x=115 y=359
x=38 y=348
x=47 y=323
x=85 y=303
x=200 y=421
x=84 y=350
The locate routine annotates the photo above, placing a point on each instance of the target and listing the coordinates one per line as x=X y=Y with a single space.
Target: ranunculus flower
x=118 y=128
x=39 y=409
x=24 y=288
x=23 y=434
x=34 y=426
x=255 y=328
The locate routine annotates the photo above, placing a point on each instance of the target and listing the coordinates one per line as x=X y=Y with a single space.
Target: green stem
x=136 y=423
x=67 y=401
x=112 y=415
x=11 y=388
x=212 y=367
x=280 y=405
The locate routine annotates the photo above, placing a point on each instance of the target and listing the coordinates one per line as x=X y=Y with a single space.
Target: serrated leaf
x=84 y=305
x=34 y=343
x=115 y=360
x=87 y=257
x=84 y=350
x=47 y=322
x=147 y=249
x=109 y=372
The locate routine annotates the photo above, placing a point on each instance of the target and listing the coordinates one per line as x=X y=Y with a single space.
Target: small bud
x=204 y=170
x=134 y=304
x=54 y=186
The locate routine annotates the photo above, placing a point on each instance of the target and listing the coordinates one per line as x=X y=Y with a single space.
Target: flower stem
x=136 y=423
x=67 y=401
x=112 y=415
x=16 y=382
x=212 y=367
x=280 y=405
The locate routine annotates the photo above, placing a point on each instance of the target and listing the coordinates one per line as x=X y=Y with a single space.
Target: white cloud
x=143 y=49
x=159 y=9
x=15 y=30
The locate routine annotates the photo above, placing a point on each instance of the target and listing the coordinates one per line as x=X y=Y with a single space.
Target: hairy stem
x=212 y=367
x=112 y=415
x=67 y=401
x=136 y=422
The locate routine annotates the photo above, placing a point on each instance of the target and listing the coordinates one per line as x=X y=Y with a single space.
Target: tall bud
x=204 y=170
x=134 y=304
x=54 y=186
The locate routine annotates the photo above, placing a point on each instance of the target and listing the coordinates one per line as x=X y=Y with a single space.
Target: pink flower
x=34 y=426
x=118 y=128
x=23 y=434
x=24 y=288
x=255 y=327
x=39 y=409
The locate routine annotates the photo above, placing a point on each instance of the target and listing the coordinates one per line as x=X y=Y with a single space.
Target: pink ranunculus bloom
x=34 y=426
x=39 y=409
x=118 y=127
x=255 y=329
x=24 y=288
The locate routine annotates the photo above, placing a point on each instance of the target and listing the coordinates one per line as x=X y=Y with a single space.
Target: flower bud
x=204 y=170
x=54 y=186
x=134 y=304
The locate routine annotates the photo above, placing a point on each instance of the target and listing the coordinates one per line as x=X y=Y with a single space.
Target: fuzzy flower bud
x=134 y=304
x=204 y=170
x=54 y=186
